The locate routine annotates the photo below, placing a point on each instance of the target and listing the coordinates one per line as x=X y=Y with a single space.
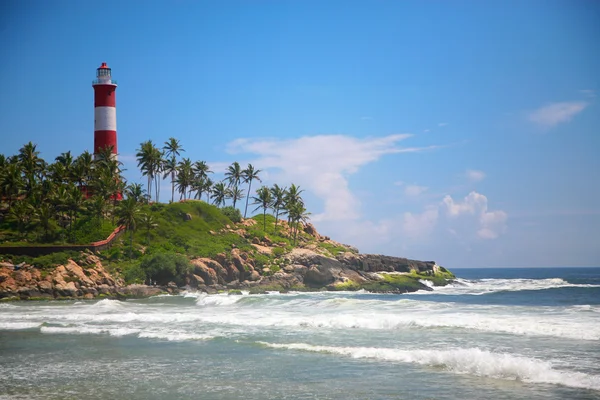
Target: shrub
x=165 y=267
x=260 y=260
x=232 y=213
x=54 y=259
x=134 y=274
x=278 y=251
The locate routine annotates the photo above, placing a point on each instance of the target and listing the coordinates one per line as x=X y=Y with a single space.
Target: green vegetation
x=232 y=213
x=46 y=261
x=333 y=249
x=347 y=286
x=82 y=200
x=162 y=268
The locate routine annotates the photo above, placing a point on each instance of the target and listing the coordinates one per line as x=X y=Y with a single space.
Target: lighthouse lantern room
x=105 y=111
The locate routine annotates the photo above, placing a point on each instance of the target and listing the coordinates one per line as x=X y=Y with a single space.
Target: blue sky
x=464 y=132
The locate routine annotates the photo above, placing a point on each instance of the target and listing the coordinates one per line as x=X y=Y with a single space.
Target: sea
x=521 y=333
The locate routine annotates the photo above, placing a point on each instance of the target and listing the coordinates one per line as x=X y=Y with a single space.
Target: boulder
x=208 y=275
x=66 y=289
x=187 y=217
x=78 y=273
x=318 y=276
x=311 y=230
x=254 y=276
x=45 y=287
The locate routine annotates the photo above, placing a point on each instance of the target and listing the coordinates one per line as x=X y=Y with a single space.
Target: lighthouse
x=105 y=110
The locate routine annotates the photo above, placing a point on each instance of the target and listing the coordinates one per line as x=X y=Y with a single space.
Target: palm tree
x=149 y=159
x=31 y=163
x=291 y=198
x=136 y=191
x=160 y=167
x=236 y=194
x=43 y=217
x=278 y=195
x=170 y=169
x=74 y=204
x=58 y=173
x=148 y=222
x=172 y=149
x=103 y=156
x=11 y=183
x=201 y=169
x=249 y=174
x=66 y=160
x=128 y=213
x=219 y=193
x=185 y=176
x=21 y=213
x=297 y=214
x=206 y=187
x=82 y=168
x=96 y=206
x=234 y=174
x=264 y=201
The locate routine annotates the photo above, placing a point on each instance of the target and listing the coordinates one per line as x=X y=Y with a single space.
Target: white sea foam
x=471 y=361
x=483 y=286
x=539 y=325
x=108 y=304
x=174 y=336
x=17 y=326
x=88 y=330
x=426 y=283
x=217 y=300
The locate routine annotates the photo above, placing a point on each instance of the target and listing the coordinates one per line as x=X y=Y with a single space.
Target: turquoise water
x=496 y=333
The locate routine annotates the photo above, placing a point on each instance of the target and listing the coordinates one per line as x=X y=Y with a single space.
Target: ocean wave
x=108 y=304
x=505 y=324
x=88 y=330
x=485 y=286
x=217 y=299
x=174 y=336
x=18 y=326
x=472 y=361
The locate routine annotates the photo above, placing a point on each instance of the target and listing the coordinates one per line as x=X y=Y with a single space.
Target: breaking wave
x=484 y=286
x=473 y=361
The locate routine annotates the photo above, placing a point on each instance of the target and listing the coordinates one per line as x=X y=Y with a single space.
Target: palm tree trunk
x=265 y=219
x=149 y=188
x=156 y=188
x=172 y=186
x=248 y=197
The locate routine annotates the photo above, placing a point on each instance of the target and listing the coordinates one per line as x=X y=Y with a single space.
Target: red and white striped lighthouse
x=105 y=110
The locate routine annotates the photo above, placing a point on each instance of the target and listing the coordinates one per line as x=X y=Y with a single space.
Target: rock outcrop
x=311 y=266
x=66 y=281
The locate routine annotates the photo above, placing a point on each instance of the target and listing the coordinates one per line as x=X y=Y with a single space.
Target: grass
x=85 y=230
x=192 y=237
x=333 y=249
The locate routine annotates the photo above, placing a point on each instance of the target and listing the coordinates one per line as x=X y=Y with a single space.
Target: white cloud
x=414 y=190
x=490 y=223
x=588 y=93
x=425 y=130
x=366 y=118
x=321 y=164
x=553 y=114
x=419 y=225
x=443 y=124
x=475 y=175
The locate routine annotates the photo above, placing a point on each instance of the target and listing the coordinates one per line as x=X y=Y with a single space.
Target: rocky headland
x=308 y=267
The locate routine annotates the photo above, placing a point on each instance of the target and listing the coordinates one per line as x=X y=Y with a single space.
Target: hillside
x=197 y=246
